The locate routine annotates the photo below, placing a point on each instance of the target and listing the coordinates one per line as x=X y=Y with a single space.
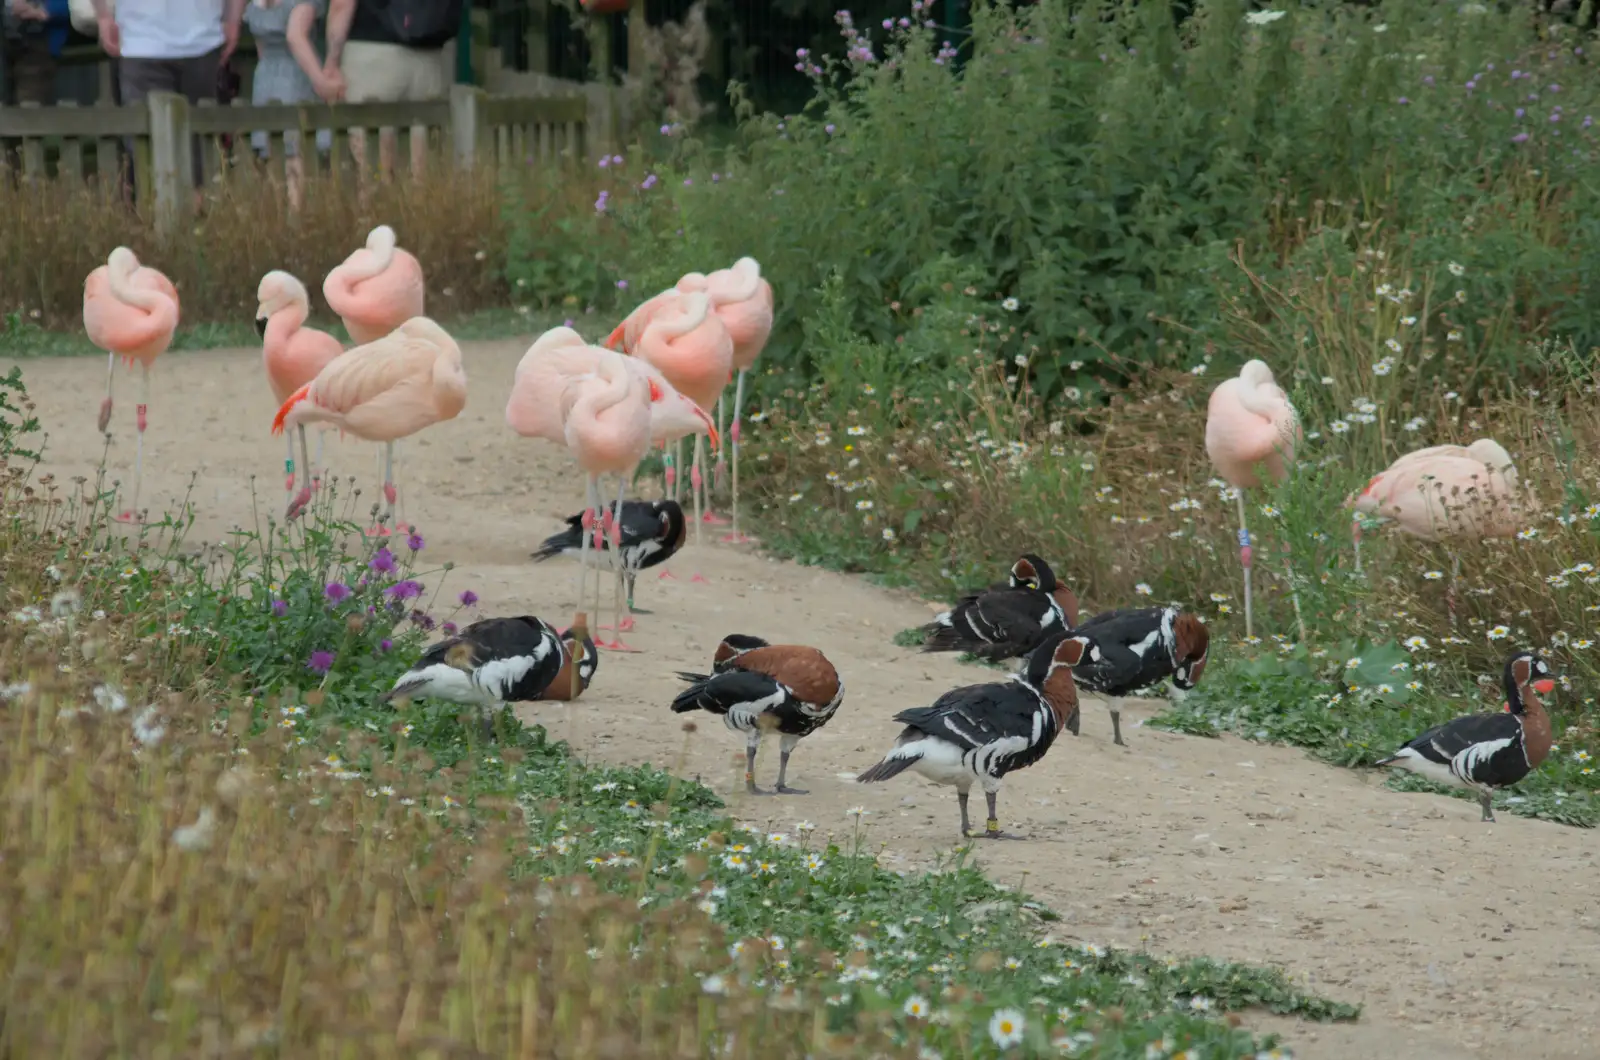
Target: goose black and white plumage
x=650 y=533
x=575 y=644
x=1485 y=752
x=1004 y=622
x=755 y=686
x=1139 y=647
x=490 y=663
x=978 y=734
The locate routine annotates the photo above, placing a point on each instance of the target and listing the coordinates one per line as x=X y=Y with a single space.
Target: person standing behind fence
x=36 y=32
x=392 y=51
x=170 y=46
x=288 y=70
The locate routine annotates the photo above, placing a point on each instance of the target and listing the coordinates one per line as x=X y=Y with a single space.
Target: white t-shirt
x=169 y=29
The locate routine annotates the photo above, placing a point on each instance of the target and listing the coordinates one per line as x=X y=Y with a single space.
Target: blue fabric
x=58 y=25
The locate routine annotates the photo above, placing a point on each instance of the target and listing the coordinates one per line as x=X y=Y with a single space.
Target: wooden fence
x=473 y=127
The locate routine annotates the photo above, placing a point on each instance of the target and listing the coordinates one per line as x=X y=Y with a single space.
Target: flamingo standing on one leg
x=131 y=311
x=375 y=290
x=554 y=396
x=744 y=303
x=410 y=379
x=294 y=355
x=692 y=348
x=1447 y=491
x=1250 y=422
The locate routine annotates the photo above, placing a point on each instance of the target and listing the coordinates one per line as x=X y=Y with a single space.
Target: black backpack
x=419 y=23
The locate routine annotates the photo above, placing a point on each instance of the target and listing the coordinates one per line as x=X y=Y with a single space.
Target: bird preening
x=1006 y=621
x=980 y=733
x=756 y=688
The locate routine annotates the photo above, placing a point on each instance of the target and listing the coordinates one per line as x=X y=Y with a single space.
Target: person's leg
x=33 y=70
x=430 y=77
x=374 y=73
x=136 y=79
x=197 y=80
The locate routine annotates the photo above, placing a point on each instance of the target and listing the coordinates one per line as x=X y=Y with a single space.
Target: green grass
x=310 y=623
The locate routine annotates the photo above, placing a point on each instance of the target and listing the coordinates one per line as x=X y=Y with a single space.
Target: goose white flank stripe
x=788 y=688
x=1138 y=647
x=1487 y=752
x=978 y=734
x=1008 y=620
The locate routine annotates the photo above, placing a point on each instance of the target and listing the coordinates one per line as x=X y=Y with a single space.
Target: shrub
x=1098 y=166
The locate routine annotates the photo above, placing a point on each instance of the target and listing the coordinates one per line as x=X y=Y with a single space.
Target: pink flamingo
x=692 y=348
x=293 y=355
x=625 y=337
x=1250 y=422
x=408 y=380
x=130 y=311
x=1446 y=491
x=744 y=303
x=591 y=399
x=376 y=289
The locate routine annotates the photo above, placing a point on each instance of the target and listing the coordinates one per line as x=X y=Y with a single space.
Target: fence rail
x=474 y=128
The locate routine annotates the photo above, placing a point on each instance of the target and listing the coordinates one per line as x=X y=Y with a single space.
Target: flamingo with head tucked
x=693 y=349
x=408 y=380
x=1446 y=492
x=1249 y=423
x=130 y=311
x=607 y=409
x=375 y=289
x=743 y=302
x=293 y=355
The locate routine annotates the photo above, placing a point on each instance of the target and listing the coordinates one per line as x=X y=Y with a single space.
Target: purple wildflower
x=415 y=542
x=1402 y=101
x=382 y=561
x=604 y=162
x=1428 y=80
x=468 y=598
x=616 y=160
x=405 y=590
x=567 y=323
x=648 y=183
x=1520 y=138
x=600 y=203
x=622 y=285
x=279 y=608
x=828 y=129
x=1519 y=112
x=320 y=662
x=385 y=644
x=336 y=592
x=687 y=181
x=422 y=619
x=449 y=628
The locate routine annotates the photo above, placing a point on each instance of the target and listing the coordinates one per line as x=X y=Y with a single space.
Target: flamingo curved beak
x=261 y=326
x=614 y=339
x=711 y=430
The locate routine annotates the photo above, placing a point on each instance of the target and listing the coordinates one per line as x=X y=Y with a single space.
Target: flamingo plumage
x=130 y=311
x=376 y=289
x=293 y=355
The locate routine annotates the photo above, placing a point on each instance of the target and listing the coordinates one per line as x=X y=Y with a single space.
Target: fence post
x=171 y=157
x=466 y=124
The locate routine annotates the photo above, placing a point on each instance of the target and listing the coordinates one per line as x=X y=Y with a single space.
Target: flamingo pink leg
x=131 y=515
x=302 y=498
x=714 y=483
x=288 y=464
x=105 y=406
x=583 y=549
x=386 y=521
x=736 y=537
x=614 y=532
x=1244 y=561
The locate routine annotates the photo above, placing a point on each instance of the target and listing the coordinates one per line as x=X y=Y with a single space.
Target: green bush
x=1100 y=167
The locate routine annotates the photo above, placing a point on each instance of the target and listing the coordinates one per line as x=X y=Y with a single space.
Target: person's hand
x=230 y=40
x=329 y=84
x=110 y=36
x=24 y=9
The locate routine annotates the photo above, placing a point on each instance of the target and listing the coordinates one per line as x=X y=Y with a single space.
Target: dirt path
x=1462 y=940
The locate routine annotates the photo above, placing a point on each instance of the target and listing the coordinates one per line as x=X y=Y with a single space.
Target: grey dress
x=278 y=78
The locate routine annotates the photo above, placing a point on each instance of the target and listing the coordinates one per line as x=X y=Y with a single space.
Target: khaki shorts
x=393 y=73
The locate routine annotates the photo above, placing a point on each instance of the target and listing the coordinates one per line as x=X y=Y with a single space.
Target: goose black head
x=1525 y=669
x=1031 y=572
